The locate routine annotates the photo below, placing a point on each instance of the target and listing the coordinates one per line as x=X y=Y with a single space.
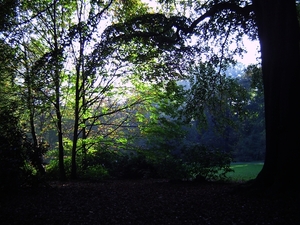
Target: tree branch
x=244 y=11
x=146 y=26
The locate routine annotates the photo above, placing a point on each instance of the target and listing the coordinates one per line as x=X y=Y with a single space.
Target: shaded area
x=144 y=202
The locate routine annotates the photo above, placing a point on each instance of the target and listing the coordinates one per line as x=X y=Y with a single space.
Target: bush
x=202 y=162
x=95 y=172
x=195 y=162
x=128 y=166
x=172 y=168
x=92 y=171
x=12 y=154
x=52 y=168
x=123 y=165
x=136 y=167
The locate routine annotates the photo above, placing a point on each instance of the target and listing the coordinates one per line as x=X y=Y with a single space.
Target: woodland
x=121 y=112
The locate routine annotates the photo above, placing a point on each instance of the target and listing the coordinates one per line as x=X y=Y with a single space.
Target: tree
x=47 y=64
x=32 y=105
x=11 y=151
x=65 y=73
x=81 y=34
x=276 y=26
x=19 y=155
x=101 y=103
x=8 y=14
x=279 y=41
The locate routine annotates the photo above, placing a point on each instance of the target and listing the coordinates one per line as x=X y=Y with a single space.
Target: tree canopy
x=277 y=28
x=114 y=75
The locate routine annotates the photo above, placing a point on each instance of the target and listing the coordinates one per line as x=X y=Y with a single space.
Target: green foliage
x=95 y=172
x=228 y=110
x=158 y=118
x=250 y=145
x=208 y=163
x=53 y=170
x=132 y=167
x=92 y=170
x=73 y=71
x=12 y=150
x=35 y=154
x=125 y=10
x=8 y=14
x=124 y=165
x=213 y=93
x=196 y=162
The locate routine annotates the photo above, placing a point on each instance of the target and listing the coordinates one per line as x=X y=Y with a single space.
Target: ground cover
x=144 y=202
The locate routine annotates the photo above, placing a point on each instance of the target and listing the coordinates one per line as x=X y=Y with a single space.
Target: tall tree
x=34 y=101
x=89 y=15
x=46 y=71
x=278 y=32
x=65 y=69
x=96 y=77
x=220 y=23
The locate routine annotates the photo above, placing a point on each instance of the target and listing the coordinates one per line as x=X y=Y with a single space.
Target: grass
x=245 y=170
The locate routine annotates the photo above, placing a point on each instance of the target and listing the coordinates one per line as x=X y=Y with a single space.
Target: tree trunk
x=62 y=173
x=78 y=96
x=278 y=32
x=76 y=125
x=57 y=79
x=37 y=159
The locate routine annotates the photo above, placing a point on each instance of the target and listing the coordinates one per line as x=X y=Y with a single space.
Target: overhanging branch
x=244 y=11
x=159 y=29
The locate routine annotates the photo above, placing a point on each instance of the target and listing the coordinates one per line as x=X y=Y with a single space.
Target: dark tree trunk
x=79 y=95
x=278 y=31
x=76 y=125
x=62 y=173
x=57 y=82
x=37 y=159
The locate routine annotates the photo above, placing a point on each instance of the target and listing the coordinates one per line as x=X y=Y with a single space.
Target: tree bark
x=57 y=82
x=76 y=123
x=278 y=32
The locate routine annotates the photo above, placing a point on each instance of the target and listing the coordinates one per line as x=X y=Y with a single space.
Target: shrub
x=172 y=168
x=95 y=172
x=123 y=165
x=52 y=168
x=202 y=162
x=12 y=154
x=195 y=162
x=137 y=166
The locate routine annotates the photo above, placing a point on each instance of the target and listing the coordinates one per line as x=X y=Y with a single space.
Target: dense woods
x=119 y=89
x=121 y=112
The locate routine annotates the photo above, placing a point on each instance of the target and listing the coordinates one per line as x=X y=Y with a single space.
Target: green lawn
x=245 y=171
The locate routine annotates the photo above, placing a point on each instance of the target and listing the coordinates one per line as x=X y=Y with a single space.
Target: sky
x=252 y=54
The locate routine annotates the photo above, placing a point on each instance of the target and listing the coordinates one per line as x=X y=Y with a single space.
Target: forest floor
x=144 y=202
